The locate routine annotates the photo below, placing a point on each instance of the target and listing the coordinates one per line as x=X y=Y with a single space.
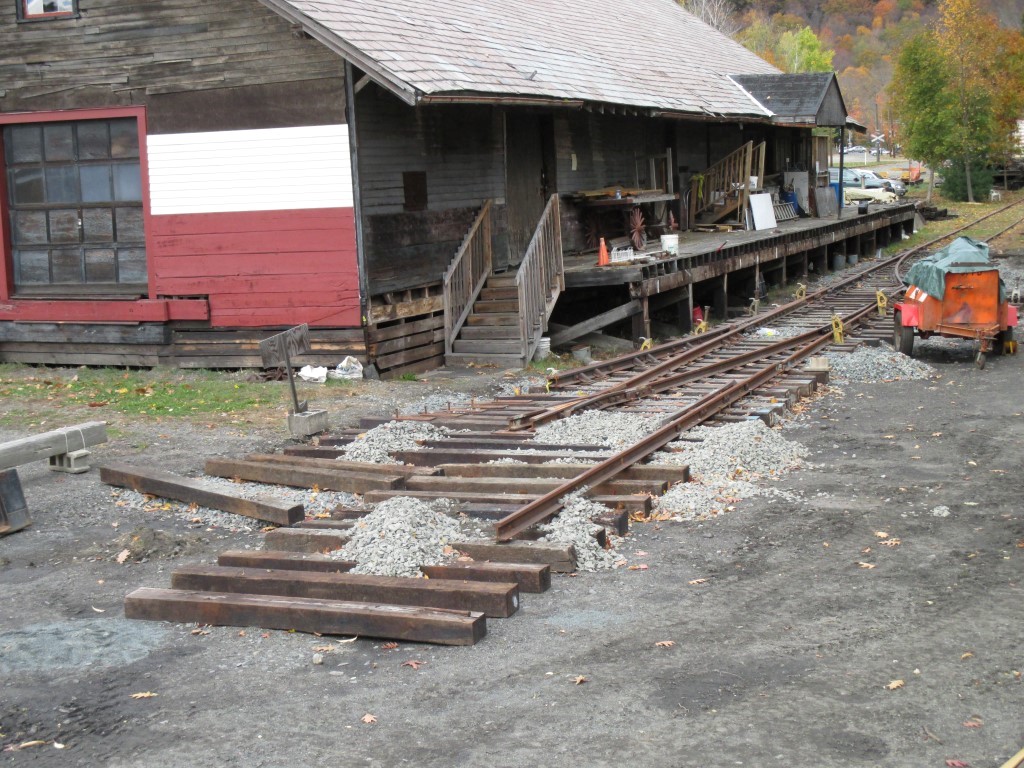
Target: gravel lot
x=862 y=613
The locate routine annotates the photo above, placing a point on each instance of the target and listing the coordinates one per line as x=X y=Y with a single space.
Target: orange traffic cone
x=602 y=254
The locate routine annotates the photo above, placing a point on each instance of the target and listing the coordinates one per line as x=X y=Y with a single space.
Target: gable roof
x=644 y=54
x=803 y=98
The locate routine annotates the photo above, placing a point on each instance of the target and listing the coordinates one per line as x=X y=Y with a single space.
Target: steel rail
x=550 y=503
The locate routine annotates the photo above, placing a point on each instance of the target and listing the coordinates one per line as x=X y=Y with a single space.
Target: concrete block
x=307 y=423
x=73 y=462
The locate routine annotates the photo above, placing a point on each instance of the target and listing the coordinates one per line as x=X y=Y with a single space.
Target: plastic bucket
x=670 y=243
x=543 y=349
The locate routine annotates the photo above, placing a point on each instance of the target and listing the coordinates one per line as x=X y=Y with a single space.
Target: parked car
x=858 y=148
x=873 y=181
x=850 y=179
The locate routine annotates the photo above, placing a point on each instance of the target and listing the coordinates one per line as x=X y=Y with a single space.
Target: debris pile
x=377 y=444
x=874 y=364
x=401 y=534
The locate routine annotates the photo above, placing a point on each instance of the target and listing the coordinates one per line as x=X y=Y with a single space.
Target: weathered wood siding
x=249 y=207
x=460 y=149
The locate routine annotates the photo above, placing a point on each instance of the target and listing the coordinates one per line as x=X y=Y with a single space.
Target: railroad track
x=729 y=374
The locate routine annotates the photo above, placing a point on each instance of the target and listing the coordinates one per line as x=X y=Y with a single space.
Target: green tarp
x=962 y=255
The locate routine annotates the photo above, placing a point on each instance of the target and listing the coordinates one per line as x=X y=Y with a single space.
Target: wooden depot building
x=418 y=182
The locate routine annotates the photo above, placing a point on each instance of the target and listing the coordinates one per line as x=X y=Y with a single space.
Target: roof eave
x=326 y=37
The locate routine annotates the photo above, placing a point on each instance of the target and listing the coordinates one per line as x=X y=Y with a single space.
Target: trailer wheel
x=980 y=360
x=902 y=336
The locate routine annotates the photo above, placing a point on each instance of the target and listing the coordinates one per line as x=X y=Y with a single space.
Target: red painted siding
x=113 y=311
x=261 y=268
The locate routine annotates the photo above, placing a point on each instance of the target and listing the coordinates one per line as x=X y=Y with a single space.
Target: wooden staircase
x=498 y=319
x=724 y=189
x=491 y=331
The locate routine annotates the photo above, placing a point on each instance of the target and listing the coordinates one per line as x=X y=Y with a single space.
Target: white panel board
x=763 y=211
x=256 y=170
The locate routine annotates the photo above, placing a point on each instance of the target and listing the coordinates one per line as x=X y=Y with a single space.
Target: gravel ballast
x=376 y=445
x=613 y=430
x=876 y=364
x=575 y=525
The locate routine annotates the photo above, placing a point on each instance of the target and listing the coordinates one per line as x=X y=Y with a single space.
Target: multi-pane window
x=75 y=202
x=32 y=10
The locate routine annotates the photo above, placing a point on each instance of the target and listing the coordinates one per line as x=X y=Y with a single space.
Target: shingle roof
x=793 y=98
x=640 y=53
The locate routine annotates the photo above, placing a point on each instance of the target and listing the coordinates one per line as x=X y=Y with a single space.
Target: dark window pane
x=129 y=225
x=124 y=138
x=93 y=143
x=127 y=182
x=30 y=227
x=131 y=265
x=31 y=267
x=57 y=143
x=97 y=225
x=64 y=226
x=99 y=265
x=95 y=183
x=27 y=186
x=67 y=265
x=25 y=144
x=62 y=184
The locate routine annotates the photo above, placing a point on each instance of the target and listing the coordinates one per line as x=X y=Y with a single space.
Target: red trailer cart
x=957 y=292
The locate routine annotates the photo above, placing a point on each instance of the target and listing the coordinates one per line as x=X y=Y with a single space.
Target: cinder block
x=307 y=423
x=73 y=462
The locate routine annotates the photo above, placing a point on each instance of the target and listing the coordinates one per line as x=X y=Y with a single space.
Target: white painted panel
x=257 y=170
x=763 y=211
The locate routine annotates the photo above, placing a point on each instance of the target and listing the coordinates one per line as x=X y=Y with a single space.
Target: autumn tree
x=715 y=13
x=786 y=42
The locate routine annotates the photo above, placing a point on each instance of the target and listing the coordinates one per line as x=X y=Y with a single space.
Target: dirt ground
x=786 y=655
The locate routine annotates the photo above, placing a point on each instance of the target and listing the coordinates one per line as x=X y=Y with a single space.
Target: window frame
x=24 y=17
x=7 y=287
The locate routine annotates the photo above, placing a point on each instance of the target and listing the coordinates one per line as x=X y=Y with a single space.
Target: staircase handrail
x=730 y=175
x=540 y=278
x=466 y=275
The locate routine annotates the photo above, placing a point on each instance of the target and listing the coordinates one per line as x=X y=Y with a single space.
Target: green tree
x=803 y=52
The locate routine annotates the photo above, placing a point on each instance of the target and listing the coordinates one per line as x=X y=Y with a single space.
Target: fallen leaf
x=413 y=663
x=889 y=437
x=580 y=680
x=967 y=655
x=200 y=632
x=24 y=745
x=973 y=463
x=694 y=582
x=641 y=553
x=389 y=646
x=891 y=543
x=368 y=719
x=665 y=643
x=122 y=555
x=957 y=764
x=895 y=685
x=349 y=640
x=881 y=534
x=144 y=695
x=323 y=648
x=868 y=566
x=265 y=635
x=865 y=551
x=241 y=633
x=98 y=610
x=641 y=567
x=936 y=434
x=973 y=722
x=58 y=745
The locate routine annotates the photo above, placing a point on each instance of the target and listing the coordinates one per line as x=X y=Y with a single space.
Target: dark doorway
x=529 y=176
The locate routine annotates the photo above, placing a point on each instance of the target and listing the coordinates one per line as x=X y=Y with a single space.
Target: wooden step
x=487 y=346
x=503 y=280
x=493 y=599
x=499 y=318
x=463 y=359
x=496 y=306
x=491 y=292
x=203 y=493
x=325 y=617
x=473 y=332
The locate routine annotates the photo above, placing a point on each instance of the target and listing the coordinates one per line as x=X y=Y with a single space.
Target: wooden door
x=529 y=177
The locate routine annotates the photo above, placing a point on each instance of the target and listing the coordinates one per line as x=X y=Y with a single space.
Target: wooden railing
x=541 y=278
x=466 y=275
x=725 y=186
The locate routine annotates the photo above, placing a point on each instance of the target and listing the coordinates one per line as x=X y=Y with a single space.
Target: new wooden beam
x=326 y=617
x=203 y=493
x=494 y=600
x=340 y=464
x=307 y=540
x=561 y=557
x=328 y=480
x=531 y=577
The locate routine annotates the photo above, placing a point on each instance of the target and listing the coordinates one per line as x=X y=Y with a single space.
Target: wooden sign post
x=279 y=350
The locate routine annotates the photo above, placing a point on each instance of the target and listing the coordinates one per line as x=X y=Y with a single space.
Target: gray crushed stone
x=574 y=525
x=777 y=332
x=876 y=364
x=401 y=534
x=613 y=430
x=726 y=463
x=376 y=445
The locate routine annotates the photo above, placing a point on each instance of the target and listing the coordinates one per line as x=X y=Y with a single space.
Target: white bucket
x=670 y=243
x=543 y=349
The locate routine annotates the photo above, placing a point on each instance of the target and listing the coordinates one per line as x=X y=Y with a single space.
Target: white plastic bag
x=317 y=375
x=349 y=368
